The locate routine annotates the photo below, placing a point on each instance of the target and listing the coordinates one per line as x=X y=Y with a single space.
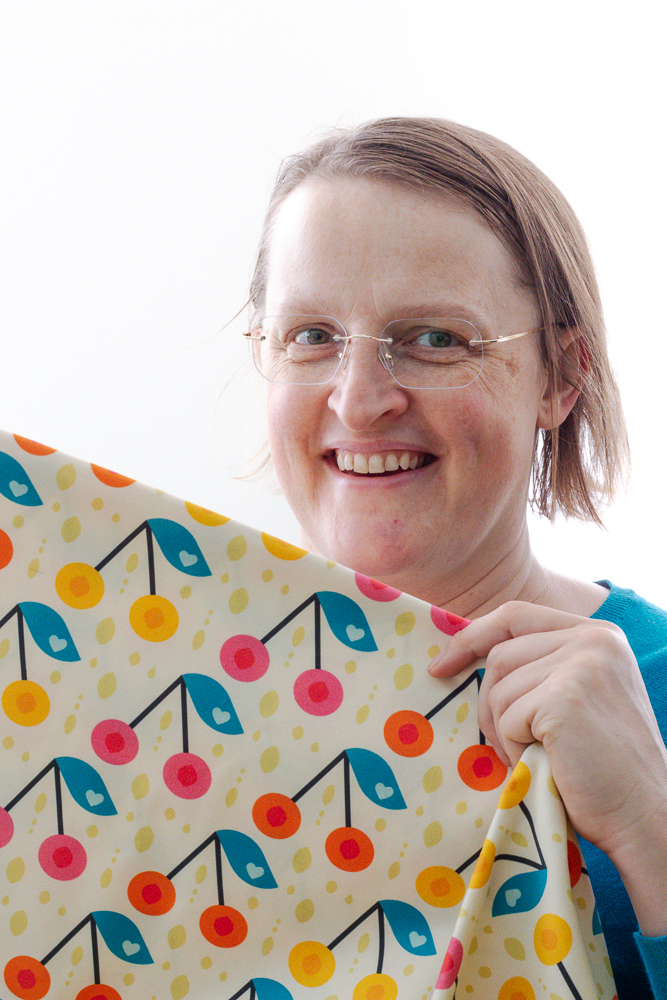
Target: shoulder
x=645 y=627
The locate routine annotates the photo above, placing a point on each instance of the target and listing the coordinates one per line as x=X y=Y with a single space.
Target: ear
x=556 y=404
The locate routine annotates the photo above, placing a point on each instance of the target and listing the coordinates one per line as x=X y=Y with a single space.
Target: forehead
x=338 y=243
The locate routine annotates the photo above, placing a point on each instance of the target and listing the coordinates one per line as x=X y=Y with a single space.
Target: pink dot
x=318 y=692
x=26 y=979
x=187 y=775
x=114 y=741
x=447 y=622
x=244 y=658
x=62 y=857
x=374 y=589
x=275 y=816
x=6 y=827
x=451 y=965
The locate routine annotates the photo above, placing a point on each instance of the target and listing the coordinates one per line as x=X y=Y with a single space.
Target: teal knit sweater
x=639 y=963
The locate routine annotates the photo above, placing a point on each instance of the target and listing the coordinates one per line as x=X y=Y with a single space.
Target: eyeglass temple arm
x=509 y=336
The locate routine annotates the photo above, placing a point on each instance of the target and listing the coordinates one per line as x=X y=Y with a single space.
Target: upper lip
x=375 y=448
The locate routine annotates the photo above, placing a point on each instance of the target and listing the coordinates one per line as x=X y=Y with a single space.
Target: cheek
x=291 y=418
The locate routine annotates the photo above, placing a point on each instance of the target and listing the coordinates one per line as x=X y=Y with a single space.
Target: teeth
x=376 y=464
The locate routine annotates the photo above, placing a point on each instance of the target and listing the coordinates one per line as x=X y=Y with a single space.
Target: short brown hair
x=578 y=464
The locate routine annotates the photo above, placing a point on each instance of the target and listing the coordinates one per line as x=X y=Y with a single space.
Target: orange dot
x=33 y=447
x=79 y=586
x=574 y=862
x=276 y=815
x=26 y=702
x=408 y=733
x=311 y=964
x=480 y=768
x=153 y=618
x=152 y=893
x=110 y=478
x=349 y=849
x=6 y=549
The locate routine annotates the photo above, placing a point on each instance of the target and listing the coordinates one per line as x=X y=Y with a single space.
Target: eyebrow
x=453 y=310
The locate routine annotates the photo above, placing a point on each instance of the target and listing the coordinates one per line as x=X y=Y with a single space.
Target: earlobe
x=556 y=403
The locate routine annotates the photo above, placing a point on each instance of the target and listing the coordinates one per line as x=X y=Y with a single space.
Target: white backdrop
x=139 y=141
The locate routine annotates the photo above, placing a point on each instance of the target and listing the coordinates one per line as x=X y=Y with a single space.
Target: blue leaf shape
x=86 y=786
x=376 y=778
x=520 y=893
x=49 y=631
x=269 y=989
x=247 y=859
x=347 y=621
x=213 y=704
x=122 y=937
x=597 y=923
x=179 y=547
x=15 y=483
x=409 y=927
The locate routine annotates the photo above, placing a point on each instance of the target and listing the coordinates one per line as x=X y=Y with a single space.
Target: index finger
x=509 y=621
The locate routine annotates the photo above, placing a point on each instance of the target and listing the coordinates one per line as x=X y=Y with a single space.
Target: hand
x=574 y=685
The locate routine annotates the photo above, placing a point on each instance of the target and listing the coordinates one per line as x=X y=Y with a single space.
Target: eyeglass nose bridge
x=383 y=353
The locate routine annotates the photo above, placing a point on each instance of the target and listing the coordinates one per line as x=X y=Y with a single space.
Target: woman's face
x=368 y=252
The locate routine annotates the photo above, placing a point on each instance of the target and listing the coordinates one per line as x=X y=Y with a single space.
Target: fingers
x=509 y=621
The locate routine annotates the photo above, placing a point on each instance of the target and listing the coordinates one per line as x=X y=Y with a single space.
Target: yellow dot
x=304 y=910
x=18 y=520
x=180 y=987
x=18 y=922
x=206 y=962
x=405 y=622
x=198 y=639
x=297 y=732
x=186 y=828
x=380 y=825
x=433 y=834
x=267 y=575
x=284 y=589
x=115 y=518
x=230 y=797
x=253 y=903
x=92 y=831
x=71 y=529
x=176 y=937
x=141 y=786
x=270 y=759
x=128 y=978
x=362 y=714
x=143 y=839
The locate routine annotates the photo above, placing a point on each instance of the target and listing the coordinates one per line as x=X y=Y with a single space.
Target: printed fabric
x=226 y=773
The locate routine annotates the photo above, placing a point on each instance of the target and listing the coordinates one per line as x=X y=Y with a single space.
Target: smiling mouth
x=391 y=463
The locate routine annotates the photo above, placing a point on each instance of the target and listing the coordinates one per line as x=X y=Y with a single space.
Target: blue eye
x=313 y=337
x=437 y=339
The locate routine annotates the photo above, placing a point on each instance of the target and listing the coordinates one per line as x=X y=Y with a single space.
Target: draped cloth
x=226 y=772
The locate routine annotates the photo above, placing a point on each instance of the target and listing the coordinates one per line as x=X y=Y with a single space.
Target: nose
x=363 y=391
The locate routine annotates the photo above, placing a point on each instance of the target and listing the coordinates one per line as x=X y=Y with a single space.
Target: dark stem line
x=318 y=644
x=573 y=989
x=526 y=812
x=524 y=861
x=218 y=871
x=451 y=696
x=286 y=621
x=244 y=989
x=313 y=781
x=346 y=791
x=119 y=548
x=186 y=861
x=184 y=717
x=67 y=939
x=154 y=704
x=21 y=627
x=9 y=615
x=151 y=560
x=96 y=954
x=380 y=939
x=470 y=860
x=59 y=799
x=30 y=785
x=352 y=927
x=253 y=993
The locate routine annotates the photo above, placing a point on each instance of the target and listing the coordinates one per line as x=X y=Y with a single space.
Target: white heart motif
x=219 y=716
x=513 y=896
x=417 y=940
x=186 y=558
x=254 y=871
x=56 y=644
x=130 y=948
x=383 y=791
x=18 y=489
x=94 y=798
x=354 y=633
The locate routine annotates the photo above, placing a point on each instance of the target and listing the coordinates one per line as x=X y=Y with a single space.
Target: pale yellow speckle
x=8 y=742
x=304 y=910
x=206 y=962
x=267 y=575
x=473 y=945
x=143 y=839
x=269 y=759
x=581 y=902
x=141 y=786
x=238 y=601
x=433 y=834
x=71 y=529
x=515 y=949
x=33 y=568
x=130 y=817
x=267 y=945
x=26 y=755
x=557 y=838
x=348 y=899
x=217 y=750
x=198 y=639
x=105 y=878
x=18 y=520
x=394 y=869
x=40 y=802
x=92 y=831
x=55 y=677
x=302 y=860
x=297 y=732
x=236 y=548
x=151 y=672
x=363 y=943
x=362 y=714
x=4 y=647
x=169 y=813
x=97 y=503
x=106 y=686
x=403 y=676
x=18 y=922
x=128 y=978
x=551 y=785
x=479 y=822
x=405 y=622
x=298 y=636
x=461 y=808
x=519 y=839
x=380 y=825
x=256 y=735
x=115 y=518
x=62 y=910
x=15 y=870
x=328 y=794
x=166 y=720
x=180 y=987
x=253 y=903
x=408 y=970
x=69 y=724
x=284 y=589
x=44 y=897
x=484 y=971
x=268 y=704
x=66 y=476
x=230 y=797
x=432 y=779
x=462 y=712
x=350 y=666
x=176 y=937
x=186 y=828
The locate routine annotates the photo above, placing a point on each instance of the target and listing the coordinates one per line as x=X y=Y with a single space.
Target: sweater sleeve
x=653 y=951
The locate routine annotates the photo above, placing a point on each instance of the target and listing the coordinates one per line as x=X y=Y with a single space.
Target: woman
x=425 y=310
